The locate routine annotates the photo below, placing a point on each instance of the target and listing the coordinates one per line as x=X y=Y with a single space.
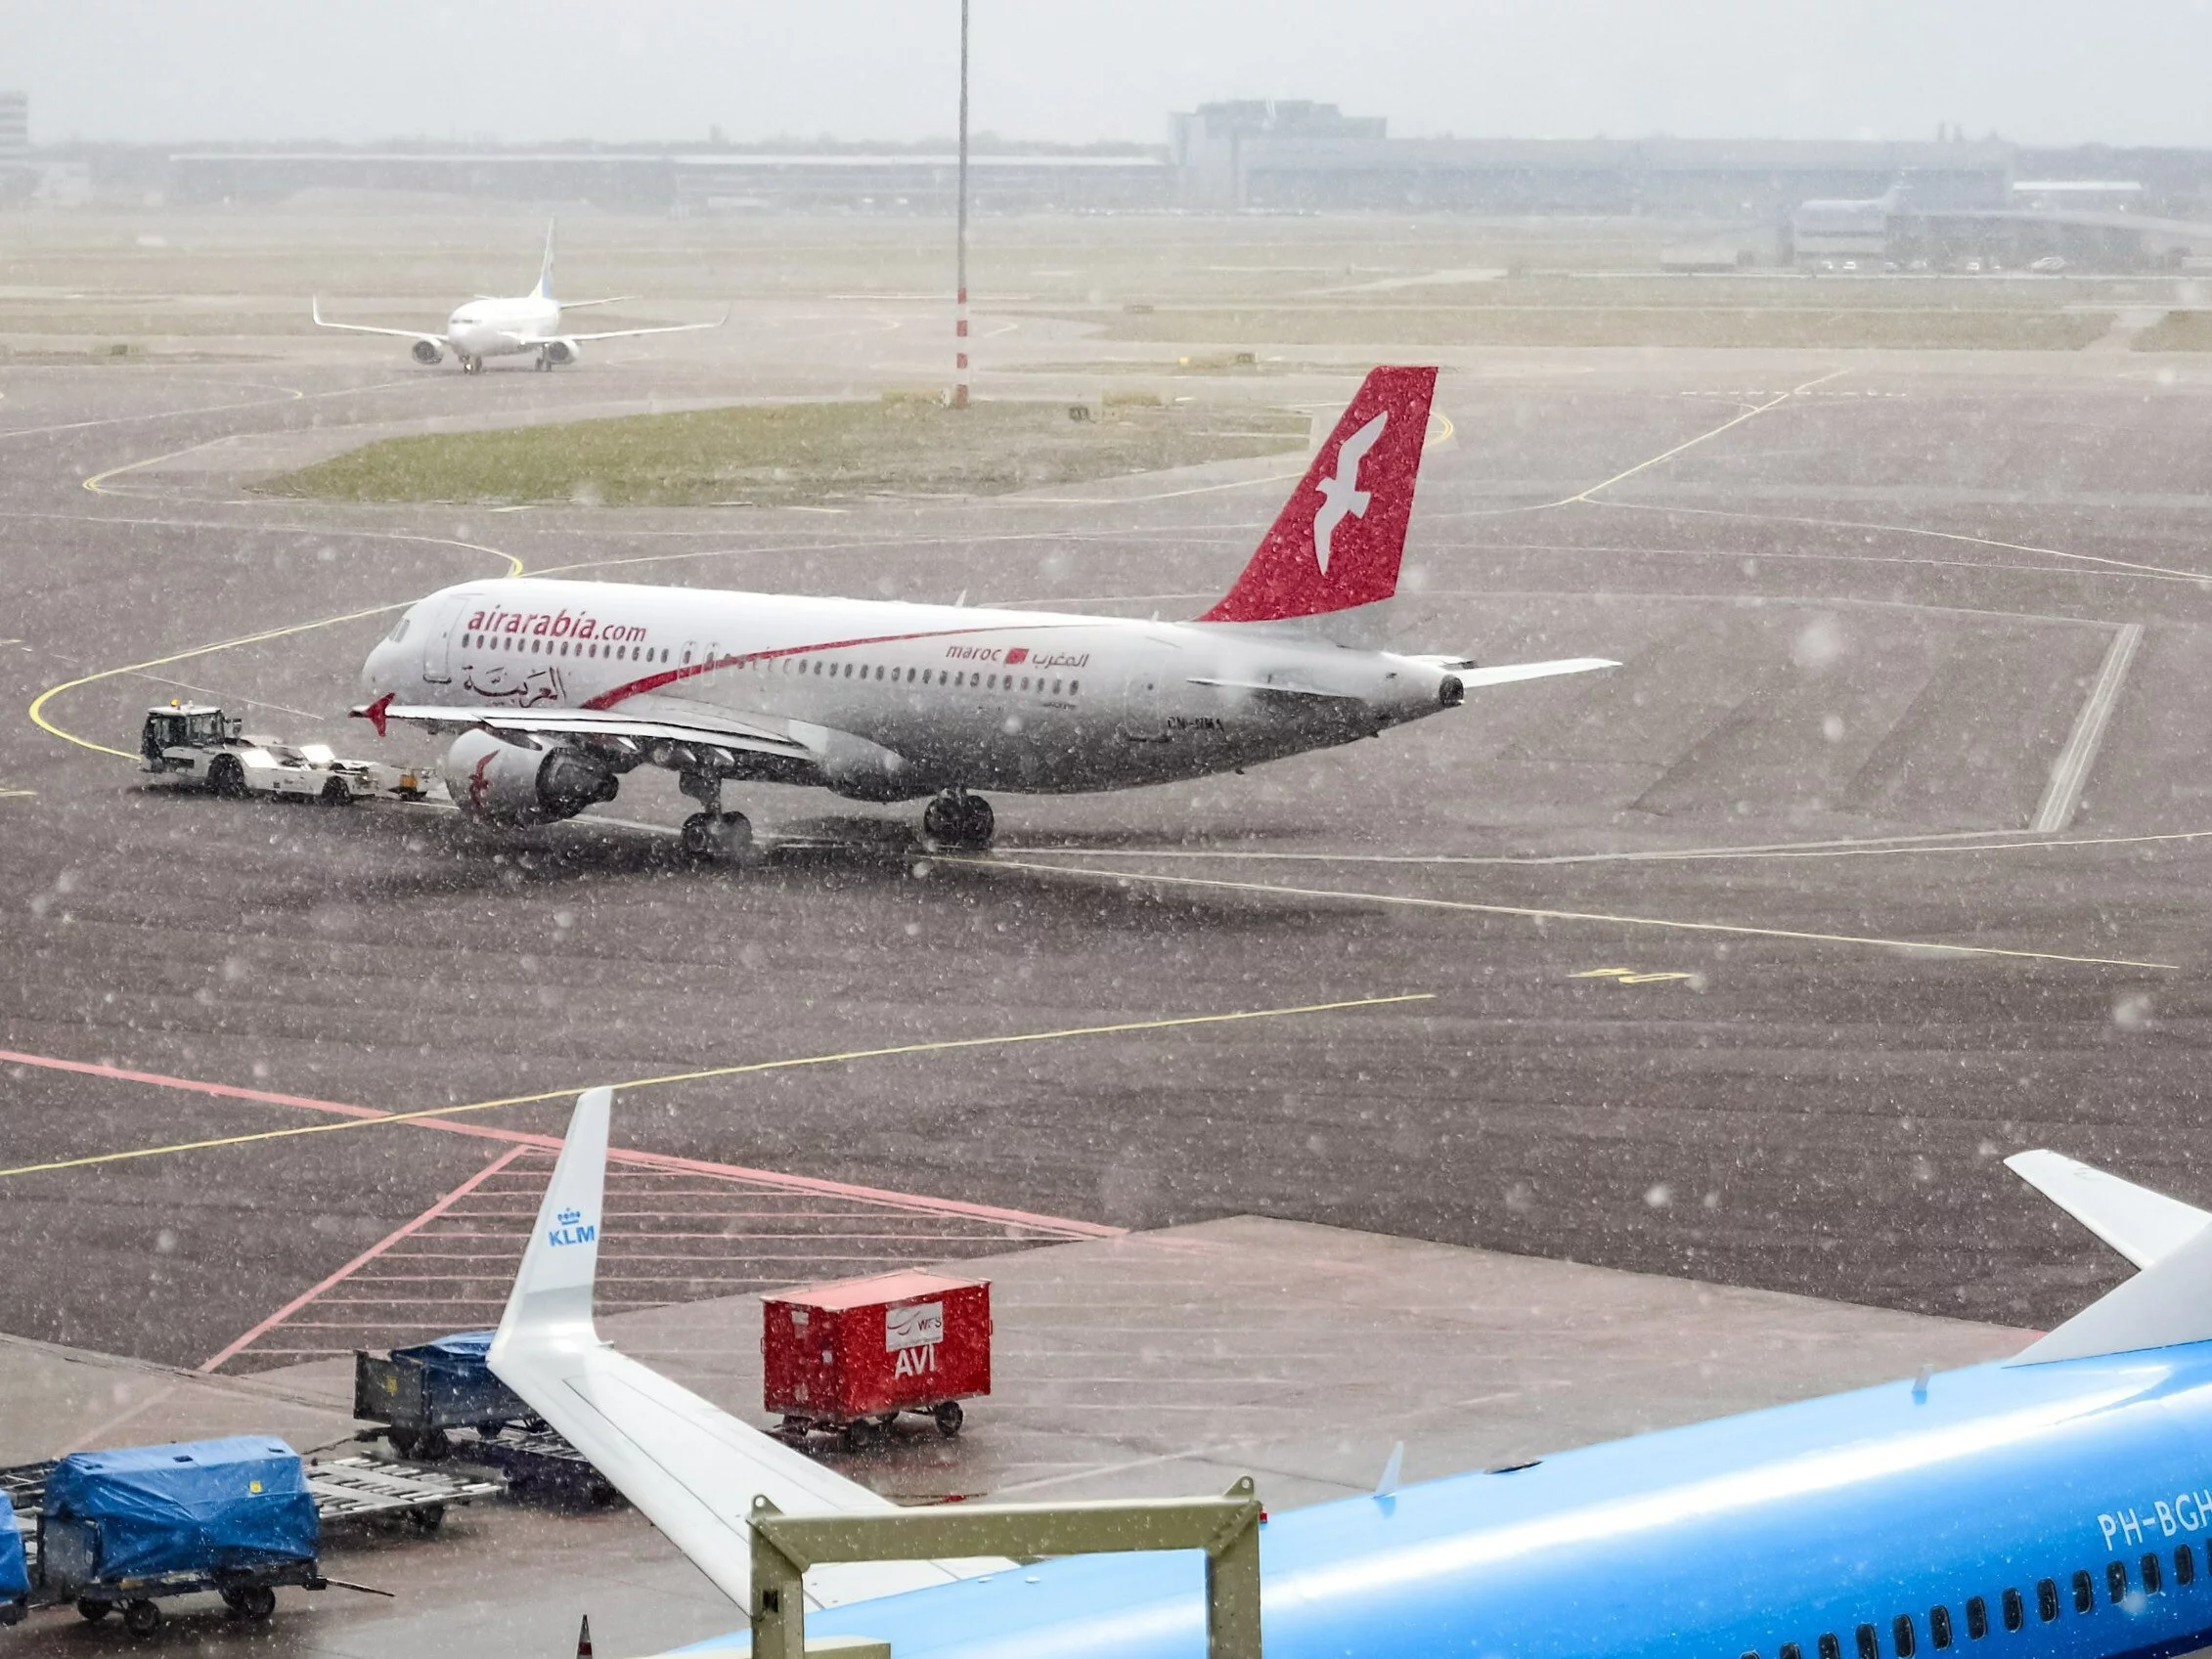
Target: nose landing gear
x=958 y=819
x=471 y=364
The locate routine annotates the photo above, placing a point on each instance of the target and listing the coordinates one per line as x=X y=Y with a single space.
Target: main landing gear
x=471 y=364
x=713 y=835
x=959 y=820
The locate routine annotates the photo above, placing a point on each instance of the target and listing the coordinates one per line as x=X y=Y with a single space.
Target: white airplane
x=491 y=327
x=560 y=688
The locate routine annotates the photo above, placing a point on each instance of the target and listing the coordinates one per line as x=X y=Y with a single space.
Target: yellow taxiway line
x=38 y=704
x=37 y=710
x=98 y=479
x=943 y=1046
x=1540 y=914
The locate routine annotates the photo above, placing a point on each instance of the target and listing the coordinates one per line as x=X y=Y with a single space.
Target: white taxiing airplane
x=560 y=688
x=492 y=326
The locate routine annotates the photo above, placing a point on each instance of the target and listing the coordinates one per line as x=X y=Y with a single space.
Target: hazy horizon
x=212 y=71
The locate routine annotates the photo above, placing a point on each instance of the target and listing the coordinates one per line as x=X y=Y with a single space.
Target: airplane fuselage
x=2047 y=1512
x=898 y=701
x=503 y=328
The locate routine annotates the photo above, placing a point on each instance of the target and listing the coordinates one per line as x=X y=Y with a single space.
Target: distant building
x=1215 y=148
x=1300 y=157
x=18 y=176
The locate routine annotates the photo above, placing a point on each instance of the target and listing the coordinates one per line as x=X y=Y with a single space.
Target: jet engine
x=562 y=351
x=502 y=783
x=860 y=770
x=427 y=352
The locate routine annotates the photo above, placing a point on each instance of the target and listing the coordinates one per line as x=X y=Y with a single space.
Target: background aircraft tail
x=1333 y=553
x=544 y=266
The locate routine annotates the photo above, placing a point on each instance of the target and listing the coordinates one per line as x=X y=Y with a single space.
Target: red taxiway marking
x=918 y=1203
x=405 y=1230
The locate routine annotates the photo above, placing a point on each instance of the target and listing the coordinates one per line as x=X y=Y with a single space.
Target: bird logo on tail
x=1340 y=496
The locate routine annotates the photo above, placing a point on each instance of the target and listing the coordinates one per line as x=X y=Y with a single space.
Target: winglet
x=315 y=309
x=552 y=1299
x=1387 y=1481
x=2167 y=1305
x=2144 y=1226
x=374 y=713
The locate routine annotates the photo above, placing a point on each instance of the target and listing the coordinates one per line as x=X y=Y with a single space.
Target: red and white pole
x=961 y=302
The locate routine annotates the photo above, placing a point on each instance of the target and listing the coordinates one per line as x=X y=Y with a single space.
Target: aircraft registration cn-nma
x=2053 y=1506
x=558 y=688
x=490 y=326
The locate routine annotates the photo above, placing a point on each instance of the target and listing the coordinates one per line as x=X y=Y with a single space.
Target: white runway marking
x=1894 y=845
x=2070 y=774
x=1539 y=913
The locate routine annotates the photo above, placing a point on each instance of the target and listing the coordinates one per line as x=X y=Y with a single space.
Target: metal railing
x=1225 y=1528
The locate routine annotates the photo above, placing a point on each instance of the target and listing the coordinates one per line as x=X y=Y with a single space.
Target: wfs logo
x=573 y=1230
x=913 y=1333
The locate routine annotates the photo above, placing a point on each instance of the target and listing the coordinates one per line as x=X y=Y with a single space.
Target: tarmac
x=1884 y=854
x=1152 y=1363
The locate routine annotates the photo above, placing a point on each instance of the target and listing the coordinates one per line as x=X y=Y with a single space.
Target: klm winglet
x=552 y=1299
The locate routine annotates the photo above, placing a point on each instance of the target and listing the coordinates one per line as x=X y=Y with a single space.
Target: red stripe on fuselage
x=606 y=700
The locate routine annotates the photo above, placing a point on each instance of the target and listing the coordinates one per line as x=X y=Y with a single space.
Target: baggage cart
x=847 y=1358
x=15 y=1572
x=128 y=1528
x=538 y=1464
x=348 y=1490
x=422 y=1393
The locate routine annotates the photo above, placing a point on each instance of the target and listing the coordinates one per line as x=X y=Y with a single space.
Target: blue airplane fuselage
x=1830 y=1521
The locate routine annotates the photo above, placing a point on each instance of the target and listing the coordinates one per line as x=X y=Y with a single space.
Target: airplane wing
x=2144 y=1226
x=627 y=333
x=322 y=322
x=691 y=1467
x=690 y=726
x=580 y=304
x=1462 y=668
x=1471 y=675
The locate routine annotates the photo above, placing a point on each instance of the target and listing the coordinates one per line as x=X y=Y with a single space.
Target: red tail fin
x=1338 y=540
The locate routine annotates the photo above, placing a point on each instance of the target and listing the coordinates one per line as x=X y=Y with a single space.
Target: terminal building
x=1805 y=202
x=1304 y=156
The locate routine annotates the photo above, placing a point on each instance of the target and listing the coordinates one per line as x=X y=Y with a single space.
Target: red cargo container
x=849 y=1357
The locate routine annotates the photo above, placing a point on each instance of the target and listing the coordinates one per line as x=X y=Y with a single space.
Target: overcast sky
x=207 y=70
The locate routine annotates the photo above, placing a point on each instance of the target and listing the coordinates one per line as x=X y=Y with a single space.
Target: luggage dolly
x=347 y=1491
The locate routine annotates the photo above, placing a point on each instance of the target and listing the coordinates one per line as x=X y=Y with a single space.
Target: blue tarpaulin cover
x=203 y=1505
x=14 y=1583
x=466 y=1351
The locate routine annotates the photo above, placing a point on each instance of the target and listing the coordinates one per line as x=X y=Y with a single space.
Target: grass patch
x=796 y=455
x=1404 y=326
x=2177 y=330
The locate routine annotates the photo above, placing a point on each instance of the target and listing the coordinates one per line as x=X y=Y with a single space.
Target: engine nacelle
x=498 y=782
x=860 y=770
x=562 y=351
x=427 y=352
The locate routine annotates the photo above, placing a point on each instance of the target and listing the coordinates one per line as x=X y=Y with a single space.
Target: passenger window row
x=955 y=679
x=533 y=646
x=1904 y=1631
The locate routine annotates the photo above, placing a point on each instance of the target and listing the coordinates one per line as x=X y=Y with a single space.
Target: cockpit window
x=399 y=630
